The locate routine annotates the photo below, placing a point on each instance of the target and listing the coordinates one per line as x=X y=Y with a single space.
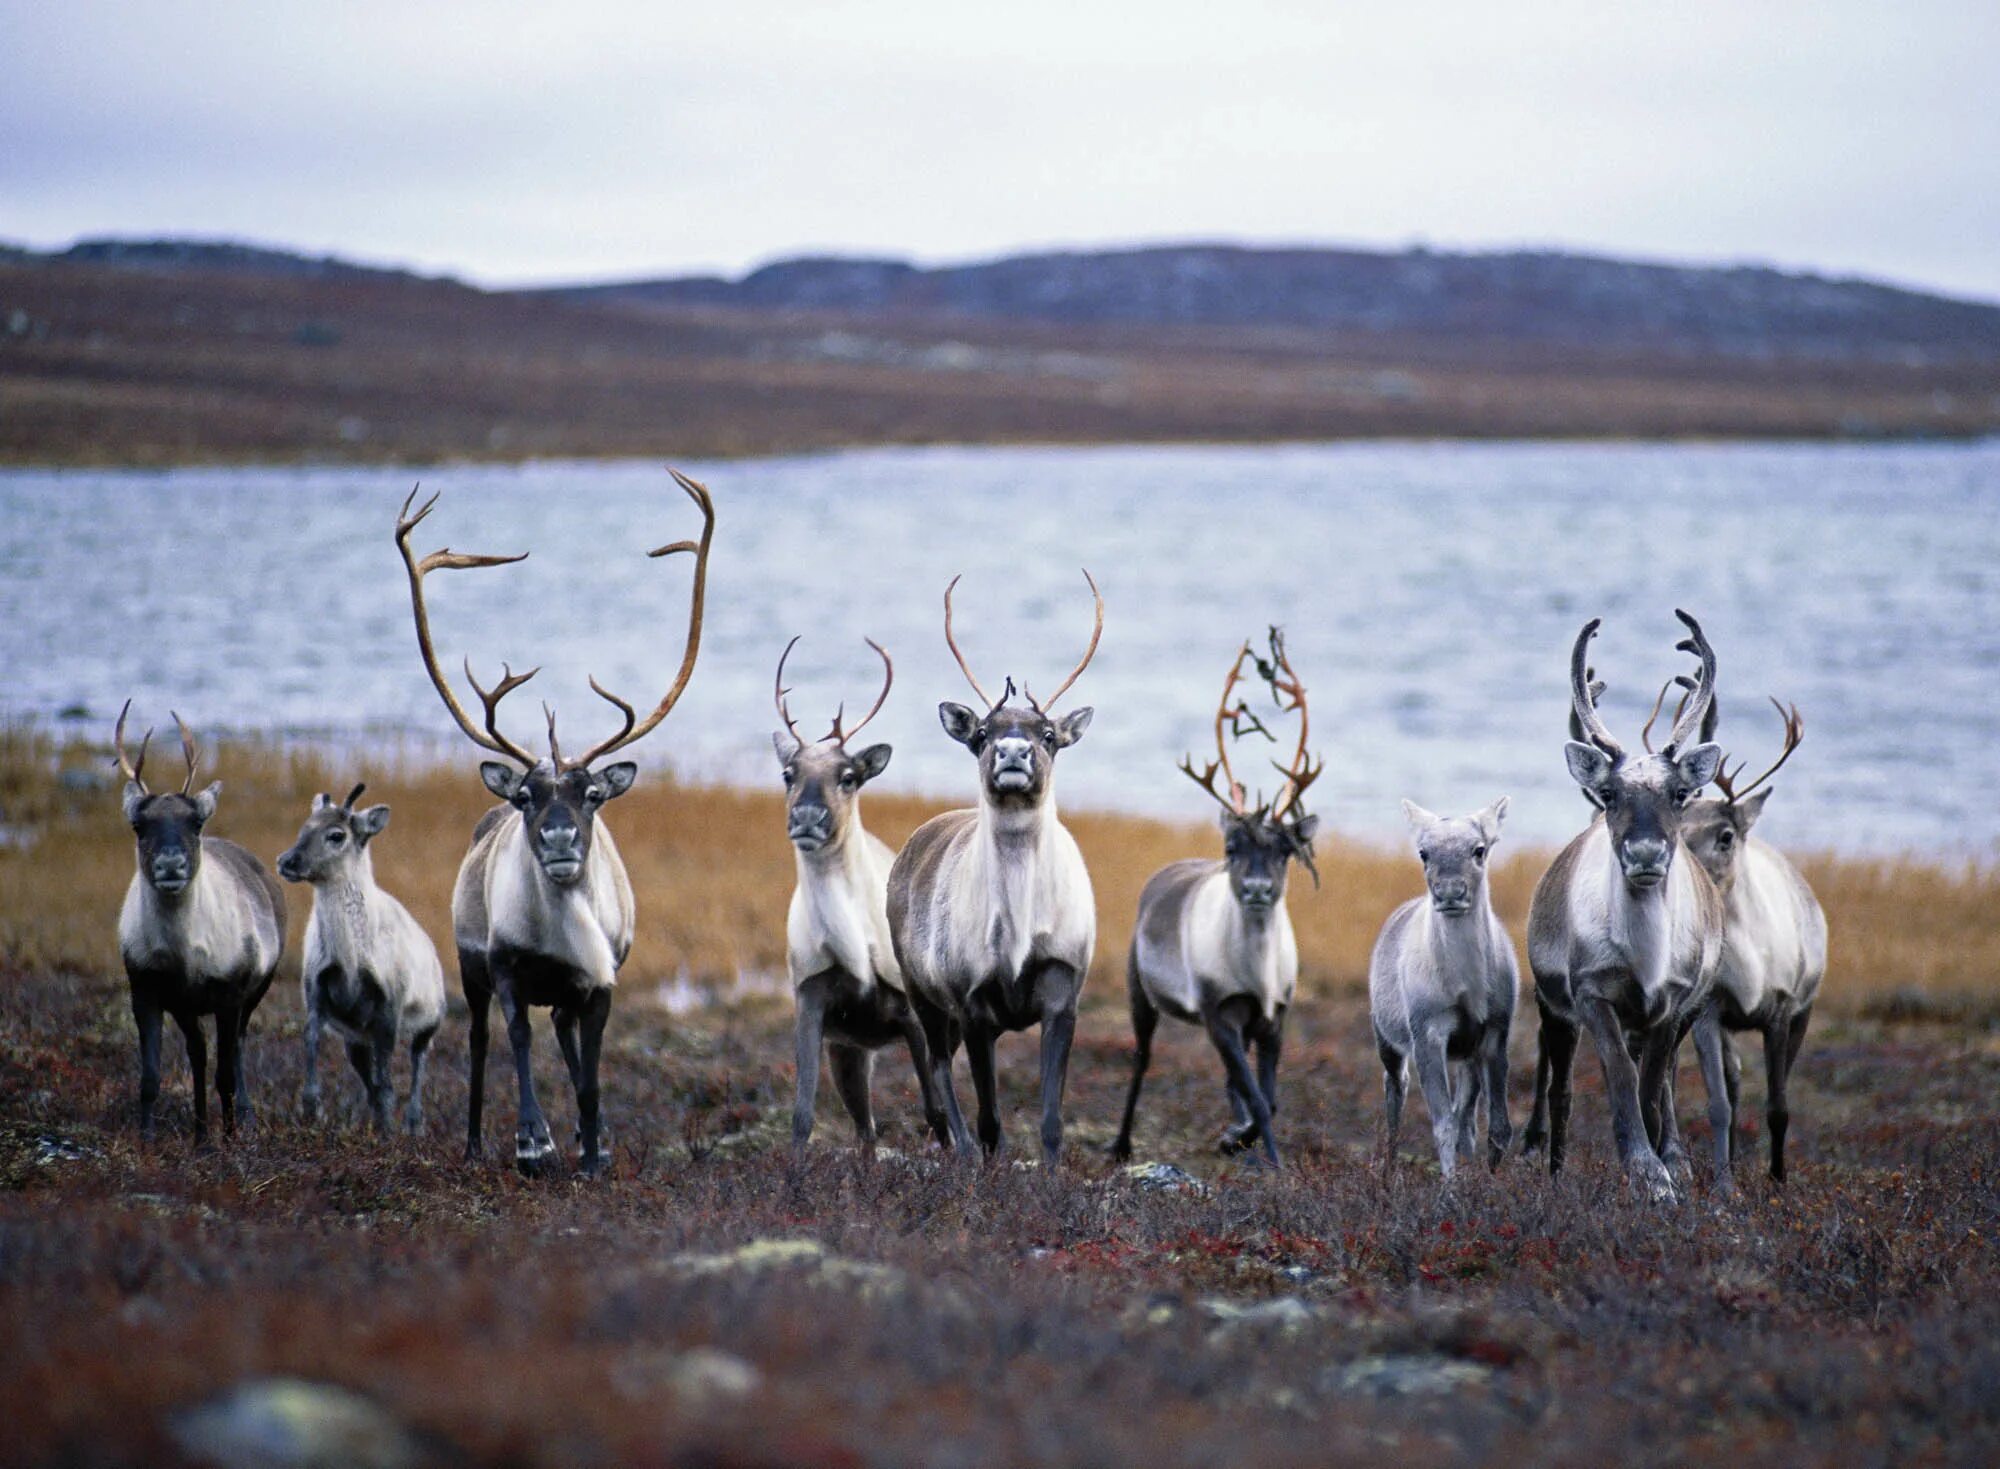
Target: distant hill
x=172 y=254
x=1517 y=297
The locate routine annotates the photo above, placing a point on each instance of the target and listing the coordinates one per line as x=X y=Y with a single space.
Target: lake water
x=1430 y=594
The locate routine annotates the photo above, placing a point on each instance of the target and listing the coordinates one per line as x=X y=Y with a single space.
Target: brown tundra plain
x=720 y=1300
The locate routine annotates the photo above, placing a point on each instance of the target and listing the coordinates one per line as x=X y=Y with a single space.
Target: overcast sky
x=527 y=142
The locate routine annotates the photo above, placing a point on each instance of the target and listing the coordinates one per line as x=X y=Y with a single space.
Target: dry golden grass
x=713 y=873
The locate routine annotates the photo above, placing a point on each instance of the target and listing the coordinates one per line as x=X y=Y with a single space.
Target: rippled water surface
x=1430 y=592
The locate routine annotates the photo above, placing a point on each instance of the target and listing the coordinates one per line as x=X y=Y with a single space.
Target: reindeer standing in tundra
x=991 y=910
x=1623 y=939
x=201 y=933
x=1213 y=944
x=1441 y=988
x=542 y=910
x=369 y=969
x=846 y=984
x=1774 y=935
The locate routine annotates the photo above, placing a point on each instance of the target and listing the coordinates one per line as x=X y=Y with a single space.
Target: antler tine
x=888 y=680
x=1688 y=721
x=1096 y=632
x=448 y=560
x=1233 y=716
x=132 y=772
x=1795 y=733
x=354 y=795
x=778 y=690
x=952 y=643
x=635 y=728
x=1596 y=687
x=493 y=739
x=188 y=753
x=1206 y=780
x=1589 y=721
x=1286 y=684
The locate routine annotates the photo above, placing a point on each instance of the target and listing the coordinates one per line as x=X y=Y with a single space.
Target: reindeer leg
x=935 y=1116
x=594 y=1012
x=1058 y=984
x=1558 y=1043
x=1467 y=1080
x=147 y=1014
x=197 y=1049
x=1225 y=1033
x=315 y=1023
x=1621 y=1086
x=479 y=1001
x=1395 y=1089
x=808 y=1031
x=852 y=1066
x=1709 y=1048
x=228 y=1063
x=420 y=1051
x=1493 y=1060
x=1270 y=1044
x=1777 y=1075
x=1434 y=1077
x=979 y=1043
x=382 y=1087
x=532 y=1144
x=1537 y=1131
x=1145 y=1020
x=941 y=1039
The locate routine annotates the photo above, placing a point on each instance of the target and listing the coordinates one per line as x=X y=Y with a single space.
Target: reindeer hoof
x=532 y=1153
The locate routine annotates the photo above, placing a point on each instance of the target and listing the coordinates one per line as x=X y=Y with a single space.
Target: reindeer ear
x=204 y=801
x=1750 y=808
x=1588 y=765
x=871 y=762
x=502 y=780
x=1420 y=820
x=370 y=823
x=959 y=722
x=1070 y=728
x=1490 y=820
x=1697 y=767
x=618 y=778
x=1304 y=829
x=785 y=745
x=134 y=795
x=322 y=801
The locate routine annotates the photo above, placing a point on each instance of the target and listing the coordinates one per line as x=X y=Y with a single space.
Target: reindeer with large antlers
x=846 y=985
x=1623 y=940
x=1774 y=935
x=201 y=932
x=1213 y=944
x=542 y=910
x=991 y=910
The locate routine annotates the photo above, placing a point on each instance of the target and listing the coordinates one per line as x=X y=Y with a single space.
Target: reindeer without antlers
x=991 y=910
x=201 y=932
x=846 y=984
x=542 y=910
x=1774 y=938
x=1623 y=940
x=1213 y=943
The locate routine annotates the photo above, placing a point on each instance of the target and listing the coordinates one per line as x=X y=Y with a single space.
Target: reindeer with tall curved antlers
x=1213 y=944
x=1624 y=940
x=542 y=910
x=991 y=910
x=846 y=985
x=201 y=932
x=1774 y=936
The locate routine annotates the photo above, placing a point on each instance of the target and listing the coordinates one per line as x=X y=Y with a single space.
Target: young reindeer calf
x=201 y=933
x=1213 y=944
x=846 y=983
x=1441 y=988
x=369 y=966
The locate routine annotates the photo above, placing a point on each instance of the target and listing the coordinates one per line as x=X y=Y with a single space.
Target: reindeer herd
x=1663 y=917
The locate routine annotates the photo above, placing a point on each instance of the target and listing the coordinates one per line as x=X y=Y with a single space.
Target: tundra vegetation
x=971 y=1314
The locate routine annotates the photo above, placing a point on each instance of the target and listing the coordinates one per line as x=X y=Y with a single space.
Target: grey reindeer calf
x=369 y=969
x=201 y=933
x=846 y=984
x=1213 y=944
x=1441 y=987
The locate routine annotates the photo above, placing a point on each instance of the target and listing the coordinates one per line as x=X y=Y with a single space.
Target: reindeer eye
x=335 y=837
x=847 y=780
x=1424 y=855
x=789 y=778
x=1724 y=837
x=1479 y=854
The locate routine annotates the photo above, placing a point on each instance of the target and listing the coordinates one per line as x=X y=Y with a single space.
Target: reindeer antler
x=840 y=736
x=1096 y=632
x=778 y=691
x=1688 y=720
x=132 y=772
x=952 y=643
x=634 y=729
x=1224 y=715
x=1795 y=732
x=1289 y=693
x=449 y=560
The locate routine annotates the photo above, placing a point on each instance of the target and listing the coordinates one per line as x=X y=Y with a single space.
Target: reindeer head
x=1715 y=830
x=1644 y=798
x=166 y=825
x=1016 y=745
x=558 y=798
x=1260 y=842
x=823 y=779
x=332 y=841
x=1455 y=851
